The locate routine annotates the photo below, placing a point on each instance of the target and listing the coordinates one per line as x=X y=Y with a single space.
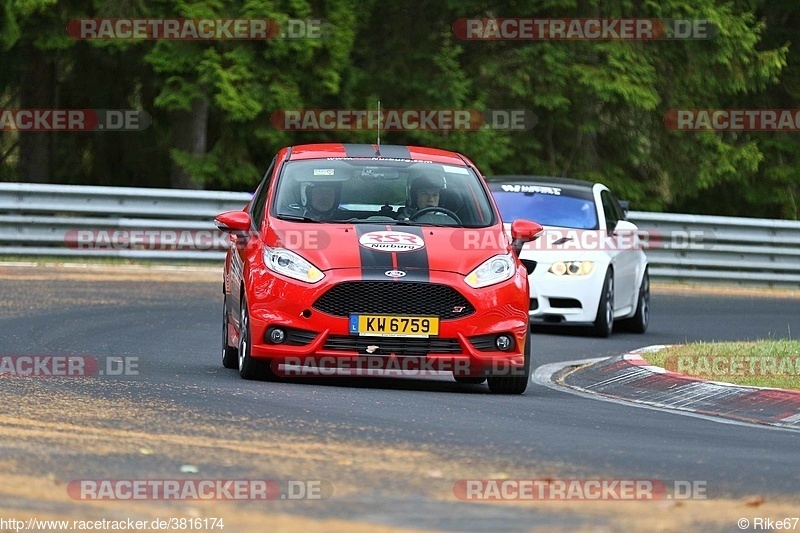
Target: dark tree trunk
x=38 y=92
x=590 y=108
x=189 y=134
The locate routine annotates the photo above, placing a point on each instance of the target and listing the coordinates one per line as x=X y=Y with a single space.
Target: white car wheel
x=604 y=321
x=641 y=319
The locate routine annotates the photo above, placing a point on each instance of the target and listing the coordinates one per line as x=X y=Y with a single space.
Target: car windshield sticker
x=455 y=170
x=323 y=172
x=391 y=241
x=532 y=188
x=398 y=159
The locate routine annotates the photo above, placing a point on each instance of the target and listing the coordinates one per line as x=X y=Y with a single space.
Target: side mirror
x=233 y=221
x=625 y=226
x=523 y=231
x=625 y=205
x=626 y=235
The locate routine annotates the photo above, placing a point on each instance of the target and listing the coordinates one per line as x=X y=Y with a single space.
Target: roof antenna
x=378 y=150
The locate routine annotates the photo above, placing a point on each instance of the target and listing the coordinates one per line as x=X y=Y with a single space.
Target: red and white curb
x=629 y=378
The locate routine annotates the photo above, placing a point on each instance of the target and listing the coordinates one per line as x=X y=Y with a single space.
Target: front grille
x=299 y=337
x=484 y=343
x=565 y=303
x=392 y=345
x=394 y=298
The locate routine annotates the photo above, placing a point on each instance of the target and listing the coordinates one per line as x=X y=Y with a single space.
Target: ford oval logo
x=395 y=273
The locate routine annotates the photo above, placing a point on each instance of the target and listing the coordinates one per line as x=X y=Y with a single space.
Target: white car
x=588 y=267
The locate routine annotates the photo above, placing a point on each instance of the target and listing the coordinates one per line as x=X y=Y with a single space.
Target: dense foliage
x=600 y=105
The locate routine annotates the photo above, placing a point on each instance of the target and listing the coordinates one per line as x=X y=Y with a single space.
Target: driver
x=320 y=200
x=426 y=191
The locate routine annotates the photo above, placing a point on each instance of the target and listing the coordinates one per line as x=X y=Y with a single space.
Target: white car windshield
x=346 y=190
x=567 y=209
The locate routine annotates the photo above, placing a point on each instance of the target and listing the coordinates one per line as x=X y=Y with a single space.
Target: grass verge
x=764 y=363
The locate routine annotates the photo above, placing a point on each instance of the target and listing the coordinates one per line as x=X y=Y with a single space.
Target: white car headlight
x=494 y=270
x=571 y=268
x=292 y=265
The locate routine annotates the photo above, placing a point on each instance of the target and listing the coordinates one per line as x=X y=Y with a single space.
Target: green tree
x=600 y=105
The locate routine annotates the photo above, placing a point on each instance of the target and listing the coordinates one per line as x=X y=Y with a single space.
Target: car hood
x=389 y=246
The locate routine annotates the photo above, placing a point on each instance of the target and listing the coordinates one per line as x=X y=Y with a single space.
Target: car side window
x=260 y=198
x=609 y=210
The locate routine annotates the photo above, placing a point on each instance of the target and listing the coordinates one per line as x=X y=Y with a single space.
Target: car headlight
x=494 y=270
x=292 y=265
x=571 y=268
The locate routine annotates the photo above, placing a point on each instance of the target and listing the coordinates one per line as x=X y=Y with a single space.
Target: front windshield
x=549 y=206
x=346 y=190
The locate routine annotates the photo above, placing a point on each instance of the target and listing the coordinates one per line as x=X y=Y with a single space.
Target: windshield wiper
x=360 y=221
x=418 y=224
x=296 y=218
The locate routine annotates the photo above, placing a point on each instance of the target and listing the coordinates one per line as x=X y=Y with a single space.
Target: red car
x=366 y=256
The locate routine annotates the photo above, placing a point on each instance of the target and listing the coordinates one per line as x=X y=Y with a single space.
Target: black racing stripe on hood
x=379 y=274
x=373 y=261
x=416 y=261
x=368 y=150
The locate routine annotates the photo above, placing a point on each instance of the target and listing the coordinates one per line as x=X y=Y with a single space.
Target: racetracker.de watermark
x=316 y=238
x=579 y=489
x=74 y=120
x=199 y=489
x=736 y=365
x=733 y=119
x=560 y=240
x=403 y=119
x=181 y=29
x=588 y=240
x=378 y=361
x=145 y=239
x=70 y=366
x=582 y=29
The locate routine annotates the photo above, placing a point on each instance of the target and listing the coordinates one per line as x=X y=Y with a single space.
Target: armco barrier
x=38 y=220
x=703 y=248
x=43 y=219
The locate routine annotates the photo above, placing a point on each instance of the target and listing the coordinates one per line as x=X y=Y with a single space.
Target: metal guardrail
x=46 y=220
x=754 y=251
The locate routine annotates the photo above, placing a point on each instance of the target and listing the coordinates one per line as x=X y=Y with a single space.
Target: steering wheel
x=434 y=209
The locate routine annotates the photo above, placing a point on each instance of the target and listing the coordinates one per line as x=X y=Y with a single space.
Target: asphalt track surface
x=173 y=329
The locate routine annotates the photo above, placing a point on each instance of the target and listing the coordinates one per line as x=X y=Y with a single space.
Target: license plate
x=394 y=326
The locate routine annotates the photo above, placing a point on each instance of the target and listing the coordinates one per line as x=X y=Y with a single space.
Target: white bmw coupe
x=588 y=267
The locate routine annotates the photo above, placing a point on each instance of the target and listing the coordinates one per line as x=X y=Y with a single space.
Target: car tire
x=230 y=355
x=641 y=318
x=514 y=384
x=604 y=320
x=249 y=368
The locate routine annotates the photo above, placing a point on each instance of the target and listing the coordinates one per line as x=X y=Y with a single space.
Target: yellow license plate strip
x=394 y=326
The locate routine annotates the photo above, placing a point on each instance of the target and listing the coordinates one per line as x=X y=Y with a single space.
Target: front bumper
x=464 y=345
x=567 y=300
